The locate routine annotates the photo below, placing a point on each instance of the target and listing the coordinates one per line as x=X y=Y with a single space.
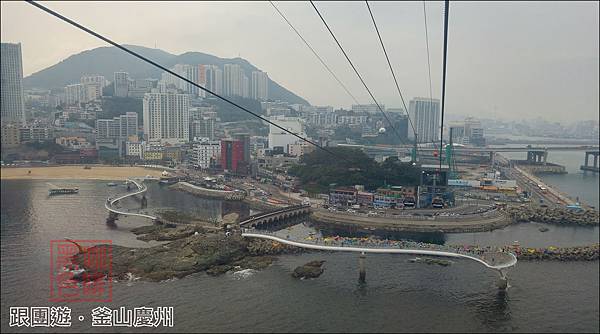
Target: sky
x=507 y=60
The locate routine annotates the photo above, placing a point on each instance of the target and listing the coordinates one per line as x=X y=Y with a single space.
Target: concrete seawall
x=209 y=193
x=473 y=223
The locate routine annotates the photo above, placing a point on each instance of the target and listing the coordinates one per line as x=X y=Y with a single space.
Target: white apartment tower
x=214 y=78
x=235 y=81
x=260 y=85
x=12 y=102
x=75 y=94
x=425 y=116
x=166 y=117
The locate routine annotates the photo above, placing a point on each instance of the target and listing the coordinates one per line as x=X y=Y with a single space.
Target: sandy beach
x=76 y=172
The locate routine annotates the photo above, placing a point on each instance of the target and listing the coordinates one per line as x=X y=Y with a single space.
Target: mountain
x=107 y=60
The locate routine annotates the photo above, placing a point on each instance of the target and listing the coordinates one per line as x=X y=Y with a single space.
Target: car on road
x=351 y=211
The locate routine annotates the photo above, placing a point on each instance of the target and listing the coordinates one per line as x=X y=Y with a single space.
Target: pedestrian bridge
x=492 y=260
x=109 y=205
x=263 y=219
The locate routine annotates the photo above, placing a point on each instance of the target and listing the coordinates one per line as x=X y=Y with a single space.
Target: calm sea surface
x=398 y=296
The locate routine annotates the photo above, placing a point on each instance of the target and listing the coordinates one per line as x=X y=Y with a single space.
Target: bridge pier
x=586 y=166
x=112 y=217
x=362 y=272
x=503 y=280
x=537 y=157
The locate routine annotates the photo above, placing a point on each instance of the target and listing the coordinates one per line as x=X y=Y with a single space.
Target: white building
x=260 y=85
x=120 y=127
x=367 y=108
x=206 y=153
x=94 y=79
x=75 y=94
x=425 y=116
x=166 y=117
x=214 y=78
x=12 y=109
x=469 y=132
x=280 y=138
x=121 y=84
x=133 y=149
x=235 y=82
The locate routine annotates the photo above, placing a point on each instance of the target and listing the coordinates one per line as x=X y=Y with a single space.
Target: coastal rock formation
x=192 y=249
x=554 y=215
x=163 y=233
x=311 y=269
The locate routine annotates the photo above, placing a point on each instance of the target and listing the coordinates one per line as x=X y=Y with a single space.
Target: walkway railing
x=109 y=205
x=493 y=260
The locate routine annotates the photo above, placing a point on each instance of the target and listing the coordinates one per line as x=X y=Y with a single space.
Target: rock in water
x=310 y=270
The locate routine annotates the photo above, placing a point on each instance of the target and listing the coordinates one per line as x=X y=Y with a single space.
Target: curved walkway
x=505 y=260
x=141 y=189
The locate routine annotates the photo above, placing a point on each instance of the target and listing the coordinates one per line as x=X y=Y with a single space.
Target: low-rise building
x=392 y=196
x=73 y=143
x=10 y=135
x=133 y=150
x=365 y=198
x=342 y=196
x=35 y=133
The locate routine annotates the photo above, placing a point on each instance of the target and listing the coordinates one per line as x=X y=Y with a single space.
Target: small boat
x=111 y=184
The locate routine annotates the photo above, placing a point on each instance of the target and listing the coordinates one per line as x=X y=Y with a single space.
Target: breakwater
x=554 y=215
x=228 y=195
x=550 y=253
x=453 y=224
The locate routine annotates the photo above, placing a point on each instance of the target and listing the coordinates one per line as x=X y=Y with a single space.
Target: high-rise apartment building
x=93 y=79
x=166 y=117
x=75 y=94
x=260 y=85
x=11 y=86
x=202 y=128
x=121 y=84
x=425 y=116
x=120 y=127
x=235 y=81
x=214 y=78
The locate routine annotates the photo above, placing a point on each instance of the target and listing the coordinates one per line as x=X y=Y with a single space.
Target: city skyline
x=492 y=69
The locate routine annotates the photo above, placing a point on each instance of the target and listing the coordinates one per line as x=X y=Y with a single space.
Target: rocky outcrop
x=192 y=249
x=311 y=269
x=554 y=215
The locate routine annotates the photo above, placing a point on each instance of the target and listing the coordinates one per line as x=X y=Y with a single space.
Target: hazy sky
x=505 y=59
